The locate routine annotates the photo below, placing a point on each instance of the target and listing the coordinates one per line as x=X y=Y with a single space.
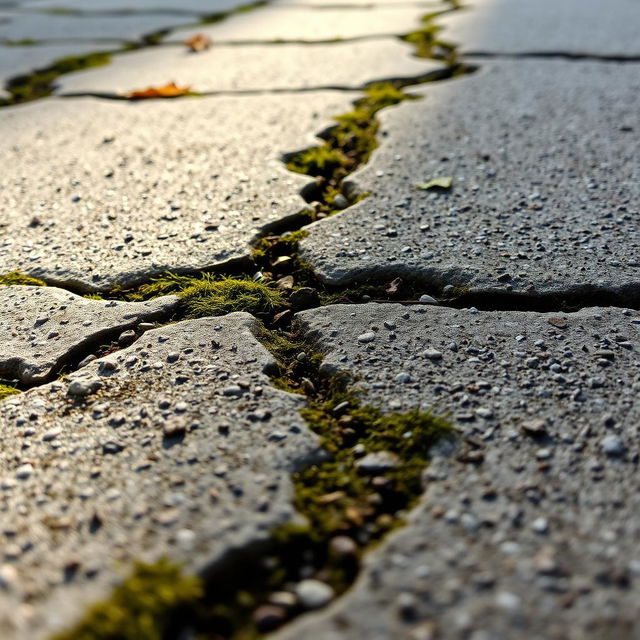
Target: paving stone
x=546 y=185
x=539 y=539
x=46 y=26
x=546 y=26
x=15 y=61
x=96 y=193
x=41 y=328
x=252 y=68
x=282 y=22
x=427 y=5
x=153 y=459
x=200 y=7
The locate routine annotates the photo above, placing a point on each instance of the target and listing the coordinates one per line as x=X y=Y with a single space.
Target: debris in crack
x=371 y=474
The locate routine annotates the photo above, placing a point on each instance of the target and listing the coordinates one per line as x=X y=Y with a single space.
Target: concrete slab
x=199 y=7
x=282 y=22
x=546 y=26
x=538 y=538
x=546 y=184
x=45 y=26
x=100 y=193
x=427 y=5
x=252 y=68
x=91 y=480
x=41 y=328
x=15 y=61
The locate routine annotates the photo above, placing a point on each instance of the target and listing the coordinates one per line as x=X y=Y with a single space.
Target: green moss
x=210 y=295
x=41 y=83
x=427 y=44
x=14 y=278
x=24 y=42
x=141 y=608
x=7 y=390
x=347 y=145
x=268 y=249
x=407 y=435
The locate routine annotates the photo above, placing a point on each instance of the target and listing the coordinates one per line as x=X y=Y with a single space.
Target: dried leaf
x=559 y=323
x=328 y=498
x=170 y=90
x=393 y=286
x=198 y=43
x=445 y=182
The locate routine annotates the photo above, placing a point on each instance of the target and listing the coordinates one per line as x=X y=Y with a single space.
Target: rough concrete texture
x=538 y=538
x=252 y=68
x=282 y=22
x=42 y=328
x=545 y=196
x=546 y=26
x=99 y=193
x=176 y=446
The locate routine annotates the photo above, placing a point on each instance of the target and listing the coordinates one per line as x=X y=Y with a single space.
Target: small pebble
x=314 y=594
x=612 y=446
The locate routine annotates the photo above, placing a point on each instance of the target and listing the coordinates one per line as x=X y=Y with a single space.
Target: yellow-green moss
x=427 y=44
x=14 y=278
x=7 y=390
x=41 y=83
x=347 y=145
x=269 y=248
x=210 y=295
x=141 y=608
x=407 y=435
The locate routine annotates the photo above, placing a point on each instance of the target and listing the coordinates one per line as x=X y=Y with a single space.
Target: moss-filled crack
x=370 y=476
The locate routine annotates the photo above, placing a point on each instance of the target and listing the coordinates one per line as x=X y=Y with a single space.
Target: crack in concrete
x=484 y=300
x=555 y=55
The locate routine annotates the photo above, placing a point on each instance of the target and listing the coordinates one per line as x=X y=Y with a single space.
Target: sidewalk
x=145 y=428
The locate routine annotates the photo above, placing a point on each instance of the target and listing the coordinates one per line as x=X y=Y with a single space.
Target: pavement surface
x=540 y=204
x=177 y=445
x=540 y=519
x=167 y=437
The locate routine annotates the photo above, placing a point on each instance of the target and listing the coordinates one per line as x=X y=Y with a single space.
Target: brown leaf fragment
x=559 y=323
x=328 y=498
x=393 y=286
x=198 y=43
x=170 y=90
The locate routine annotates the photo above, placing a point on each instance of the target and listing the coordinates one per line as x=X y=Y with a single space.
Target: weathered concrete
x=41 y=328
x=99 y=193
x=546 y=185
x=252 y=68
x=546 y=26
x=176 y=446
x=282 y=22
x=539 y=538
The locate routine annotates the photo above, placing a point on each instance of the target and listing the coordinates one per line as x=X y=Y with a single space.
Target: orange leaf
x=170 y=90
x=199 y=42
